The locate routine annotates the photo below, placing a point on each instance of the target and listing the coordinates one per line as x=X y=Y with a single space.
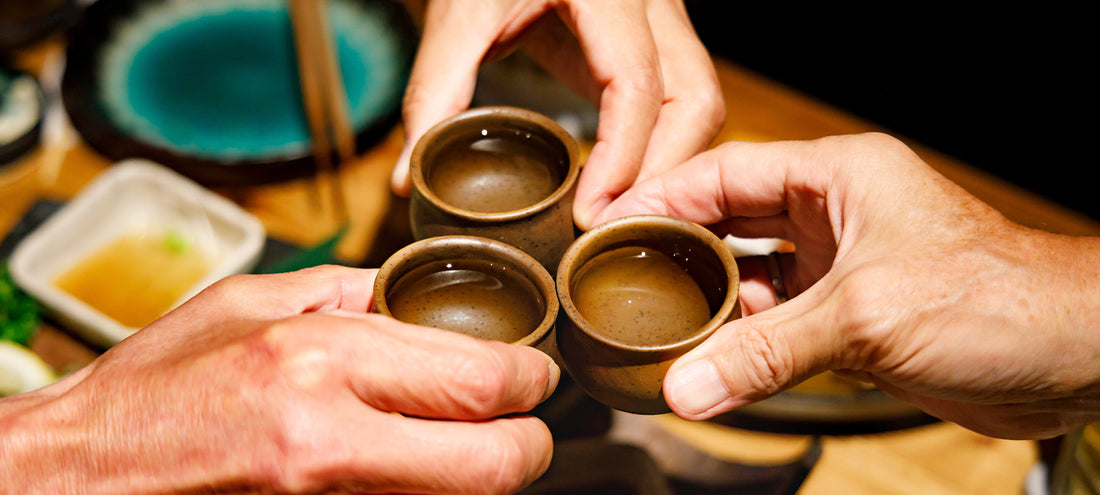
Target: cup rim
x=690 y=229
x=534 y=271
x=489 y=113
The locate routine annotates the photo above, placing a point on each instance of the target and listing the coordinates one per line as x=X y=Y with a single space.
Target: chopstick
x=324 y=99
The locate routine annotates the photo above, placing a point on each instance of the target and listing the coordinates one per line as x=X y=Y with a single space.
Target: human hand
x=898 y=276
x=657 y=91
x=284 y=383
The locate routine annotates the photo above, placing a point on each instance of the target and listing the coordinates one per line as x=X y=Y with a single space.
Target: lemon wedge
x=22 y=370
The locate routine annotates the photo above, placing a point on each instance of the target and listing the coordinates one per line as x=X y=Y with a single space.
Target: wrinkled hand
x=902 y=278
x=639 y=60
x=284 y=383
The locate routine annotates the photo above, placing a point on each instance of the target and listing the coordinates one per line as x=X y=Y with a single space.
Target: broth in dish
x=136 y=278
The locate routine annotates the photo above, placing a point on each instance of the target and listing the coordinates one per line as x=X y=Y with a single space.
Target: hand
x=285 y=383
x=901 y=277
x=640 y=61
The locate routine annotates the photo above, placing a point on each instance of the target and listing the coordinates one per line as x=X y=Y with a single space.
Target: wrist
x=62 y=439
x=1072 y=297
x=28 y=441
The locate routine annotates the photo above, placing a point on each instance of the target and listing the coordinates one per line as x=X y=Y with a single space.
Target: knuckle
x=414 y=95
x=275 y=342
x=876 y=144
x=646 y=83
x=710 y=106
x=513 y=466
x=768 y=366
x=646 y=77
x=296 y=458
x=302 y=463
x=882 y=139
x=228 y=289
x=480 y=385
x=290 y=369
x=293 y=355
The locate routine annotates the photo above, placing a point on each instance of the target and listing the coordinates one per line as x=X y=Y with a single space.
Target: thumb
x=753 y=358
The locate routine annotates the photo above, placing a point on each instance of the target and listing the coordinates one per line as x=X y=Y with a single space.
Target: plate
x=827 y=404
x=22 y=105
x=210 y=87
x=23 y=22
x=131 y=196
x=22 y=370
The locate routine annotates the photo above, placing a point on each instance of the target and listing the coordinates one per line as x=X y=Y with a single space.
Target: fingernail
x=697 y=387
x=552 y=381
x=593 y=212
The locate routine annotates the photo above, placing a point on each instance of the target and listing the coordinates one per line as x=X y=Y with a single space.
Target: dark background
x=1009 y=92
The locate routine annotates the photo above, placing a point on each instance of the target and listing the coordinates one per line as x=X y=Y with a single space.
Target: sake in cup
x=471 y=285
x=502 y=173
x=637 y=293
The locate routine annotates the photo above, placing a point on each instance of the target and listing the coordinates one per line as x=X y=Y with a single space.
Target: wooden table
x=940 y=458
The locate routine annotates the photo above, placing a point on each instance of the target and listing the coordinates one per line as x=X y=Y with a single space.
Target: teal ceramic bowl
x=210 y=87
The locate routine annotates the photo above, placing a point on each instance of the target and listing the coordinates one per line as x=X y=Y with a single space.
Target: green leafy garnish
x=19 y=313
x=320 y=254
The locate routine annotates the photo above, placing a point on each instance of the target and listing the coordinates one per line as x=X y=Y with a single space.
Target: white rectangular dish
x=131 y=195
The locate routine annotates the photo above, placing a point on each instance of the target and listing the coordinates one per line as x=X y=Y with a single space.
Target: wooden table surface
x=939 y=458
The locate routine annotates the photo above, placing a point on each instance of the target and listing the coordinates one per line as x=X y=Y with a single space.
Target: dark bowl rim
x=81 y=102
x=15 y=149
x=22 y=35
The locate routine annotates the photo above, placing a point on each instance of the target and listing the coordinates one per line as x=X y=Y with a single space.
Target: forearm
x=31 y=440
x=53 y=441
x=1069 y=301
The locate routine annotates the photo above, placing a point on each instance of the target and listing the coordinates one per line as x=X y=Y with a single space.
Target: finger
x=444 y=73
x=393 y=454
x=693 y=109
x=772 y=226
x=735 y=179
x=432 y=373
x=498 y=456
x=630 y=100
x=756 y=357
x=755 y=291
x=552 y=44
x=276 y=296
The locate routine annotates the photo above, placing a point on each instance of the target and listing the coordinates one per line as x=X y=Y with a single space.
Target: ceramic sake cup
x=637 y=293
x=471 y=285
x=502 y=173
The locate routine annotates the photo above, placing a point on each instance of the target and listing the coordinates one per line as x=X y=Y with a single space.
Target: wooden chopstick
x=334 y=88
x=324 y=100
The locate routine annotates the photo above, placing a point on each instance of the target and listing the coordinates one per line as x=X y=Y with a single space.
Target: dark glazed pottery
x=192 y=69
x=636 y=293
x=472 y=285
x=502 y=173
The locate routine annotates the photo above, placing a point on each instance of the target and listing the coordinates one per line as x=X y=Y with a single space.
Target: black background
x=1009 y=92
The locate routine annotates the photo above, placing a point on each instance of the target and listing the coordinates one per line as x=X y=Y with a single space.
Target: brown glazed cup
x=636 y=293
x=471 y=285
x=502 y=173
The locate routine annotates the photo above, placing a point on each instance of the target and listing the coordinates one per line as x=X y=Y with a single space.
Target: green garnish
x=175 y=242
x=19 y=313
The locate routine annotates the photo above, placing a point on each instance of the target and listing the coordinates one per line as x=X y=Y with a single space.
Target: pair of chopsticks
x=324 y=99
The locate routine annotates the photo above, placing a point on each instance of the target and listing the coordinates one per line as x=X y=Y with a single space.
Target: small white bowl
x=131 y=195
